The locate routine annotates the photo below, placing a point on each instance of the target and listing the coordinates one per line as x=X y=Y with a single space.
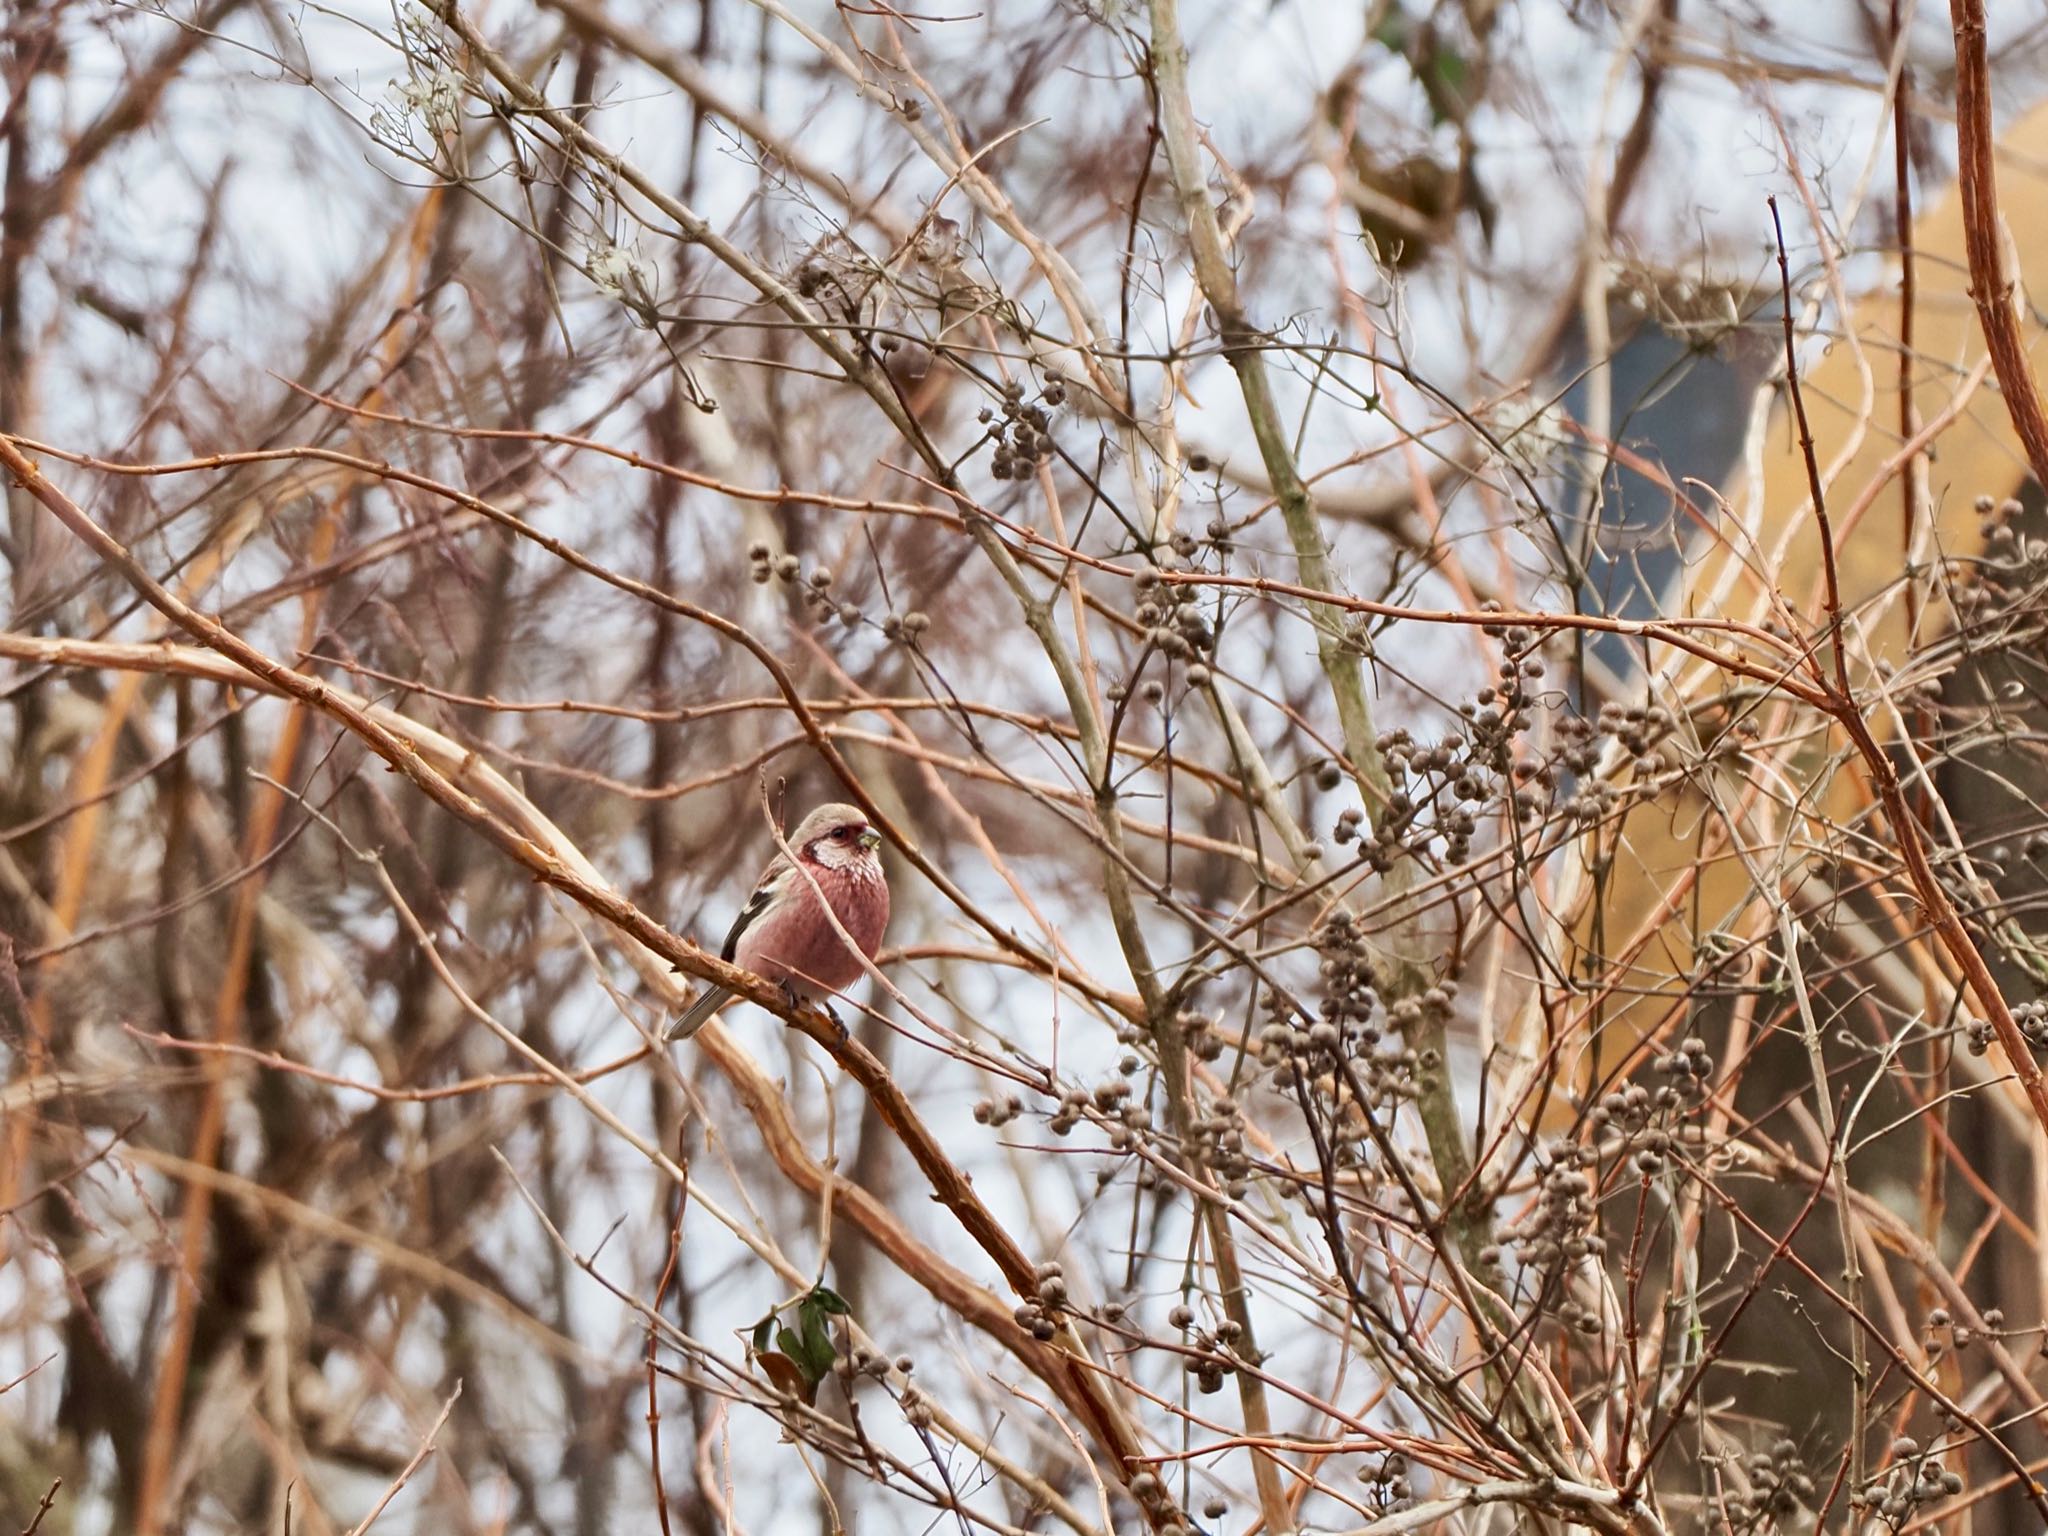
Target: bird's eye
x=842 y=833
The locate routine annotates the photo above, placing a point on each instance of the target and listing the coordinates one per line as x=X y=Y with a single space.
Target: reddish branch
x=1841 y=703
x=1984 y=239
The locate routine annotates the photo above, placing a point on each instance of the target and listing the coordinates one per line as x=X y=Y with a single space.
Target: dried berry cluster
x=1558 y=1230
x=908 y=628
x=1689 y=1068
x=998 y=1111
x=1498 y=712
x=1387 y=1489
x=1945 y=1334
x=1217 y=532
x=1109 y=1101
x=2013 y=564
x=1173 y=623
x=872 y=1363
x=1642 y=1115
x=1914 y=1479
x=763 y=565
x=1354 y=1058
x=1778 y=1487
x=814 y=276
x=1039 y=1315
x=1438 y=792
x=1107 y=1098
x=1441 y=790
x=917 y=1408
x=1638 y=728
x=1151 y=1493
x=2032 y=1019
x=1114 y=1104
x=1218 y=1142
x=1349 y=822
x=1022 y=433
x=1429 y=1007
x=1349 y=998
x=1201 y=1033
x=1212 y=1354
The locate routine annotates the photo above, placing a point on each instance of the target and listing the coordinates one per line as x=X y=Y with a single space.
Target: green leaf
x=817 y=1354
x=762 y=1332
x=829 y=1301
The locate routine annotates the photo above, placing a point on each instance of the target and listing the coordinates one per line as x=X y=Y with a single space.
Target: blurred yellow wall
x=1852 y=399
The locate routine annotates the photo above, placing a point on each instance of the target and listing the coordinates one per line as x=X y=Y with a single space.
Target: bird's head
x=837 y=837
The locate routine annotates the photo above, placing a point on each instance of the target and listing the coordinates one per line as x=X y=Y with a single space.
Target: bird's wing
x=771 y=884
x=765 y=891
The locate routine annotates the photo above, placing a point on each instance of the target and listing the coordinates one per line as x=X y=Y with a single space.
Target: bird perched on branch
x=785 y=933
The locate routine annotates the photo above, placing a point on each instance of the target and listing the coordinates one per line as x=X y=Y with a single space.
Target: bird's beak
x=870 y=839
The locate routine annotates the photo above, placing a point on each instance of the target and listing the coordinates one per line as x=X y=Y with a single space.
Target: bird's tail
x=693 y=1018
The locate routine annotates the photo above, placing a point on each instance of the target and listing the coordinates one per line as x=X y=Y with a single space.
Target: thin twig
x=418 y=1459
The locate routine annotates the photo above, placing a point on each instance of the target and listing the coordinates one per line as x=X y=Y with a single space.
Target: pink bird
x=783 y=933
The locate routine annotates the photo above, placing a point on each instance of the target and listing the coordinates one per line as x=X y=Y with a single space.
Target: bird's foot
x=798 y=1001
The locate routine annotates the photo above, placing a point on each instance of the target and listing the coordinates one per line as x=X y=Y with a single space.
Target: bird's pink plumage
x=795 y=941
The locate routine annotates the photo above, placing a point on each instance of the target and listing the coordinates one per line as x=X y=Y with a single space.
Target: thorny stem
x=1833 y=599
x=1985 y=240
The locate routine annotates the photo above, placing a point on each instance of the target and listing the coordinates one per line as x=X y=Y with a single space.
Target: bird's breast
x=796 y=940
